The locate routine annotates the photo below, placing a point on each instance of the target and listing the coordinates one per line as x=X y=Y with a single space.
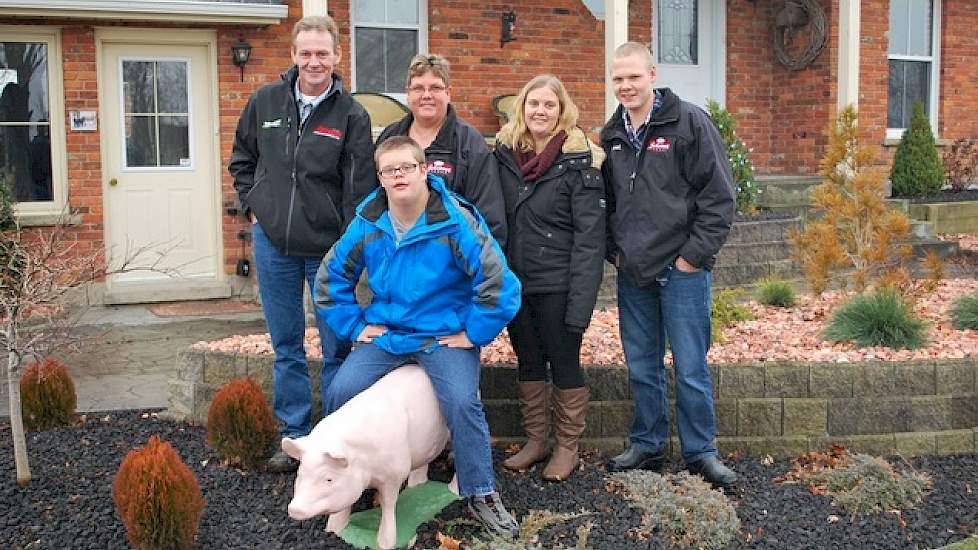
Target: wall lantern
x=240 y=52
x=509 y=27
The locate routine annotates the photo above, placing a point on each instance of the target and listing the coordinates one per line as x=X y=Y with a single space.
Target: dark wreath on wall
x=799 y=33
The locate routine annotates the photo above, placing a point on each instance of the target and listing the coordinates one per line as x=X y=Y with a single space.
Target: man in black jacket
x=302 y=160
x=670 y=207
x=453 y=149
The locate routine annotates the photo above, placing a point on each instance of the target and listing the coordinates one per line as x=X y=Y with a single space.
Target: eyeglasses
x=405 y=169
x=433 y=90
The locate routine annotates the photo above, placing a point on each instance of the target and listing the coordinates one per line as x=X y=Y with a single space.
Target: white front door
x=689 y=45
x=161 y=188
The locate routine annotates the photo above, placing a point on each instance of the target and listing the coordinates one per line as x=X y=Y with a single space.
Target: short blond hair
x=399 y=142
x=515 y=134
x=635 y=48
x=422 y=64
x=319 y=23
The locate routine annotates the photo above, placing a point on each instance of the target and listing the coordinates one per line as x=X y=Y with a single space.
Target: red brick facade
x=781 y=114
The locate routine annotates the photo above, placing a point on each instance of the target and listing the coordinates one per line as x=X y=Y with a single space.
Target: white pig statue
x=384 y=435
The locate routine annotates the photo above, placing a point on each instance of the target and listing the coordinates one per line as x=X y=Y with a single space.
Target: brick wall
x=959 y=74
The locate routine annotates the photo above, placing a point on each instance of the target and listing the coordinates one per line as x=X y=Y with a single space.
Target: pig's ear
x=336 y=459
x=292 y=447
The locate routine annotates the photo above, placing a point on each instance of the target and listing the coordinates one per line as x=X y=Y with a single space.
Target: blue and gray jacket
x=446 y=275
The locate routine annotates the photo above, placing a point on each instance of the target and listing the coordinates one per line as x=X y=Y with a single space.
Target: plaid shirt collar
x=636 y=137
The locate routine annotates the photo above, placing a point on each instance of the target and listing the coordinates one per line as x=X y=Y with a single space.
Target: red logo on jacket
x=441 y=168
x=326 y=131
x=659 y=145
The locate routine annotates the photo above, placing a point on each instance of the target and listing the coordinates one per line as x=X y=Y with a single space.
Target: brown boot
x=535 y=408
x=570 y=410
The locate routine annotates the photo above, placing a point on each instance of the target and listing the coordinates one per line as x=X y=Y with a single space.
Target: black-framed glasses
x=405 y=169
x=433 y=90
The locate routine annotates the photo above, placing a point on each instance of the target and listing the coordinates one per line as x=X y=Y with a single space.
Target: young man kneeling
x=441 y=288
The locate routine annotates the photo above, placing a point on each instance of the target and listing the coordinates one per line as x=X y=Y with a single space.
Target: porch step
x=165 y=291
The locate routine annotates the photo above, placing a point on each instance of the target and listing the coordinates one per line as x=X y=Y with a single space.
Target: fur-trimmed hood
x=577 y=142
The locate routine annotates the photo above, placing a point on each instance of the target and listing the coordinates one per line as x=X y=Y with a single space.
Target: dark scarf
x=534 y=166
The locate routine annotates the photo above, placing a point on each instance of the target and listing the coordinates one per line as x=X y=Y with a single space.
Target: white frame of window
x=421 y=27
x=43 y=212
x=935 y=74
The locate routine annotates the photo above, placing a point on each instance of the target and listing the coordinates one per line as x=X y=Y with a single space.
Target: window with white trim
x=32 y=132
x=386 y=35
x=913 y=62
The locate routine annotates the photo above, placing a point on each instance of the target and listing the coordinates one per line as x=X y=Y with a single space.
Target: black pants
x=539 y=337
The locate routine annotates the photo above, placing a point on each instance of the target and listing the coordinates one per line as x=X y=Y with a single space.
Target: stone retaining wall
x=881 y=408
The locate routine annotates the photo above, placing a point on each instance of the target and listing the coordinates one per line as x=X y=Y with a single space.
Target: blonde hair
x=399 y=142
x=515 y=134
x=637 y=49
x=423 y=63
x=320 y=23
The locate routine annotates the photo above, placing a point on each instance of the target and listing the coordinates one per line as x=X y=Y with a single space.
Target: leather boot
x=535 y=408
x=570 y=411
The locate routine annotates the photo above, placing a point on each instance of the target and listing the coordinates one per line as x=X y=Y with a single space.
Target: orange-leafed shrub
x=240 y=424
x=47 y=395
x=158 y=498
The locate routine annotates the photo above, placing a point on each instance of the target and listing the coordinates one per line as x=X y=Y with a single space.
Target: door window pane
x=678 y=32
x=382 y=58
x=156 y=104
x=25 y=143
x=909 y=82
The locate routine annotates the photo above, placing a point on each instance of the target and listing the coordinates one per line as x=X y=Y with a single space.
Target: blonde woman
x=550 y=176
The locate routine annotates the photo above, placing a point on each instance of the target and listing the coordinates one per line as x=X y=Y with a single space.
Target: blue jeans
x=677 y=305
x=280 y=283
x=454 y=374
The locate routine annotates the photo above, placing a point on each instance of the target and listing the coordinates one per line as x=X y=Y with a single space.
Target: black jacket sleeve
x=357 y=168
x=587 y=252
x=482 y=187
x=708 y=170
x=244 y=153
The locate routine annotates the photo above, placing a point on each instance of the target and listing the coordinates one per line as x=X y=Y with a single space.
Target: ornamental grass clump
x=529 y=535
x=47 y=395
x=775 y=292
x=881 y=317
x=682 y=508
x=158 y=498
x=870 y=484
x=726 y=310
x=964 y=312
x=240 y=424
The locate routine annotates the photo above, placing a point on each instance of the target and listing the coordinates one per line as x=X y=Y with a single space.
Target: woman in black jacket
x=551 y=179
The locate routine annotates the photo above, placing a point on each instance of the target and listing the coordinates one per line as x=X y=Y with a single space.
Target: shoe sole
x=651 y=464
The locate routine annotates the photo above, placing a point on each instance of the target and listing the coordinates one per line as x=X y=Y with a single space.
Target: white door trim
x=718 y=29
x=192 y=37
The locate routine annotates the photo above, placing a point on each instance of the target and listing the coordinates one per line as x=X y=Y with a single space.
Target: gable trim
x=149 y=10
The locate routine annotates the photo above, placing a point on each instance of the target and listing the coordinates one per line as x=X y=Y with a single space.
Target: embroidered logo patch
x=272 y=123
x=326 y=131
x=441 y=168
x=616 y=147
x=659 y=145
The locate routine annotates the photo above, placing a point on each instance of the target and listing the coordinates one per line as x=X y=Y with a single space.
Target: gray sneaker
x=281 y=463
x=489 y=510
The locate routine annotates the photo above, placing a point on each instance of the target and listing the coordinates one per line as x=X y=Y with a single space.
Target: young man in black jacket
x=302 y=161
x=670 y=207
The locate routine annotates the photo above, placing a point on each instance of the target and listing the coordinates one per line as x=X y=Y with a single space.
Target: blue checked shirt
x=637 y=137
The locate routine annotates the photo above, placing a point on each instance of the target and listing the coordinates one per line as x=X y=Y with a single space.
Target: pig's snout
x=300 y=511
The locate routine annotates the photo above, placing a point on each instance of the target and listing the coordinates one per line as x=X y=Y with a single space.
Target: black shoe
x=713 y=471
x=637 y=459
x=281 y=463
x=489 y=510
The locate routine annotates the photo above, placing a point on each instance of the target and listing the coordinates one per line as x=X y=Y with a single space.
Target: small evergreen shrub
x=682 y=508
x=964 y=312
x=917 y=168
x=725 y=311
x=240 y=424
x=738 y=155
x=868 y=484
x=47 y=395
x=878 y=318
x=775 y=292
x=158 y=498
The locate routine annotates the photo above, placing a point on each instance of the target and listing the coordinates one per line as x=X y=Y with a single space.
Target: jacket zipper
x=288 y=223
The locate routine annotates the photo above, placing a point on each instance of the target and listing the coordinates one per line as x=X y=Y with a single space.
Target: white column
x=615 y=34
x=313 y=7
x=848 y=85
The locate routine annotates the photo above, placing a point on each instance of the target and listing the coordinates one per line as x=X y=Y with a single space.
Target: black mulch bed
x=948 y=196
x=69 y=504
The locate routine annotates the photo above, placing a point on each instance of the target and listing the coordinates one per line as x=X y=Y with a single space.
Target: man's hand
x=684 y=266
x=460 y=340
x=370 y=332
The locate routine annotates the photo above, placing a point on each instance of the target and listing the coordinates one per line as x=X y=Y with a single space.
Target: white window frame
x=46 y=212
x=935 y=74
x=421 y=27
